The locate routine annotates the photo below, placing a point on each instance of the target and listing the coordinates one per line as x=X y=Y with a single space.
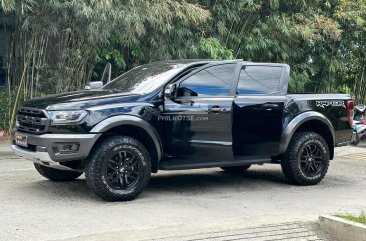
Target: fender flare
x=292 y=127
x=115 y=121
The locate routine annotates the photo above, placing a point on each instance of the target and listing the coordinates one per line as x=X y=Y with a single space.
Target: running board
x=189 y=164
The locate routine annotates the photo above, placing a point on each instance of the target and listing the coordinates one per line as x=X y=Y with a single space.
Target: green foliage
x=295 y=32
x=152 y=31
x=351 y=16
x=60 y=45
x=212 y=48
x=109 y=55
x=4 y=107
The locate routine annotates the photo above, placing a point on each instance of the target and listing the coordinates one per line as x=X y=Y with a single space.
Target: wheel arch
x=309 y=121
x=134 y=127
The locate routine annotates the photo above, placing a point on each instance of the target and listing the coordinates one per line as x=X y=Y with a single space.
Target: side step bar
x=189 y=164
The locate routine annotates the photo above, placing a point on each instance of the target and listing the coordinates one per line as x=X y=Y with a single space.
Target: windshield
x=145 y=78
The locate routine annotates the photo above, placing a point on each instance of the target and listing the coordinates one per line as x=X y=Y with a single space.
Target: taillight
x=351 y=111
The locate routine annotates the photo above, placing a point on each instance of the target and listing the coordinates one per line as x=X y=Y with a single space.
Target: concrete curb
x=341 y=229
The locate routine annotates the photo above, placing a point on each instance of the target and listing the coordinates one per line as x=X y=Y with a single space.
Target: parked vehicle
x=176 y=115
x=359 y=125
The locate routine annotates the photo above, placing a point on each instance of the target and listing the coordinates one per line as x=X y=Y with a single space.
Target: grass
x=361 y=218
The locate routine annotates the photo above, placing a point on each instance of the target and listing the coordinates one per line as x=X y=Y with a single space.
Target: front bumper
x=45 y=148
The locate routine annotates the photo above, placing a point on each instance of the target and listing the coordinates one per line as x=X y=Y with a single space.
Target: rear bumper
x=48 y=147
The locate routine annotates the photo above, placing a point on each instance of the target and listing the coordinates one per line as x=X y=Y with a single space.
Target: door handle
x=270 y=106
x=185 y=102
x=217 y=109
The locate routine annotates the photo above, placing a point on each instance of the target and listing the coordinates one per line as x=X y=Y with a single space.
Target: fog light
x=67 y=148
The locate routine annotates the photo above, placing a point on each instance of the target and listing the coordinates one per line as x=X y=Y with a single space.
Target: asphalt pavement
x=206 y=204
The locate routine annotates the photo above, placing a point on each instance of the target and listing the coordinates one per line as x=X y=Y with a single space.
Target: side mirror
x=94 y=85
x=107 y=74
x=170 y=90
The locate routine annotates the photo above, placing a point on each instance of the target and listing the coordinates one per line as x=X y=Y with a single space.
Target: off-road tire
x=56 y=175
x=95 y=170
x=291 y=162
x=236 y=169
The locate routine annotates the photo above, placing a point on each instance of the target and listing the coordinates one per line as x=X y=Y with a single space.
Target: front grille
x=32 y=120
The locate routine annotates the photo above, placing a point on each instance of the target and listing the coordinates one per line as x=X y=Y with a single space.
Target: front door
x=199 y=118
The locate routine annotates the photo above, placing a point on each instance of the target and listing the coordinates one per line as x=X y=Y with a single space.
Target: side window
x=259 y=80
x=212 y=81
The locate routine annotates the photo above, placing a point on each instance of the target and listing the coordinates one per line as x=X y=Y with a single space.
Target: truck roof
x=187 y=62
x=196 y=61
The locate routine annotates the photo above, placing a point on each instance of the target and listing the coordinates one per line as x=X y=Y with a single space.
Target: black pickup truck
x=185 y=114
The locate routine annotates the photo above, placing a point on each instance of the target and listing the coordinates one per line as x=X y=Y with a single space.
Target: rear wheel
x=306 y=160
x=119 y=169
x=56 y=174
x=236 y=169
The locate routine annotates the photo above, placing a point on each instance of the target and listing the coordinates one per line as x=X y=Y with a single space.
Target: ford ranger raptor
x=178 y=115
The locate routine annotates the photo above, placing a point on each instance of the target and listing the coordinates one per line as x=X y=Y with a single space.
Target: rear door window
x=259 y=80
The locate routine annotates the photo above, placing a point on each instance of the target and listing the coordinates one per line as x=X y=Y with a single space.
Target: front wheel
x=306 y=160
x=119 y=169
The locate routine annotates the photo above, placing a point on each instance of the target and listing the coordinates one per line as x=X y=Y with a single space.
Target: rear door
x=258 y=110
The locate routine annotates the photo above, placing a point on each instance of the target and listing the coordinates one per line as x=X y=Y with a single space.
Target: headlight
x=67 y=117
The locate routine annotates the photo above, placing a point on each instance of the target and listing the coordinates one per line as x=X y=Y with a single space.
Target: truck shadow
x=192 y=181
x=174 y=182
x=189 y=182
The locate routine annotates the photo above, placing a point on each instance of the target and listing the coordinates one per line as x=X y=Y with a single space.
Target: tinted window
x=259 y=80
x=212 y=81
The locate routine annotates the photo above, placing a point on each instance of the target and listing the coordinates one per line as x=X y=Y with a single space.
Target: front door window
x=210 y=82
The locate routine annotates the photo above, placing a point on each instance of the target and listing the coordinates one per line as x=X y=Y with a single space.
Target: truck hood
x=80 y=100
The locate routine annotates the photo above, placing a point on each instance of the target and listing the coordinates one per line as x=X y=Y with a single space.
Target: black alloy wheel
x=122 y=170
x=119 y=168
x=311 y=159
x=307 y=158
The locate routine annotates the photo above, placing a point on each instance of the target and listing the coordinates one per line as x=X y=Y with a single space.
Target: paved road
x=186 y=204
